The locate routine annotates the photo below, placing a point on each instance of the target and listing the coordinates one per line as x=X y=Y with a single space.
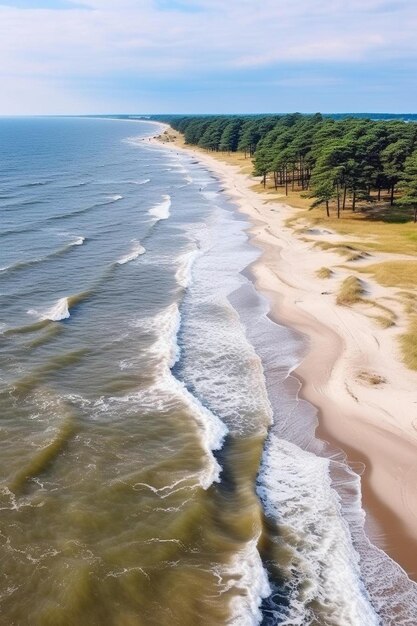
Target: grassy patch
x=324 y=272
x=408 y=343
x=393 y=273
x=350 y=292
x=383 y=321
x=351 y=252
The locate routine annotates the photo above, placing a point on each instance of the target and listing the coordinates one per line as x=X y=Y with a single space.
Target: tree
x=409 y=183
x=230 y=137
x=392 y=159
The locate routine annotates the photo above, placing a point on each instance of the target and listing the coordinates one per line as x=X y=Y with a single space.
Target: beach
x=352 y=372
x=180 y=391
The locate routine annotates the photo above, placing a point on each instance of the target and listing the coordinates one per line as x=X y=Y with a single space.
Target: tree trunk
x=286 y=182
x=392 y=194
x=379 y=194
x=415 y=214
x=344 y=197
x=338 y=201
x=327 y=208
x=264 y=180
x=354 y=201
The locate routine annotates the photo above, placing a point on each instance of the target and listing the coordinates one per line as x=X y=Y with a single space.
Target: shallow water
x=157 y=465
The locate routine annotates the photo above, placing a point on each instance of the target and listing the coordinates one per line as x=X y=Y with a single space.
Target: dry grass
x=384 y=322
x=378 y=235
x=350 y=251
x=408 y=343
x=324 y=272
x=350 y=292
x=393 y=273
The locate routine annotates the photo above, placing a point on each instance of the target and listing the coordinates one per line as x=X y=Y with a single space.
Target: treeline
x=337 y=162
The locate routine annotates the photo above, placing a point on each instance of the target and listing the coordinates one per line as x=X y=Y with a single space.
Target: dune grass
x=324 y=272
x=349 y=250
x=351 y=291
x=408 y=343
x=393 y=273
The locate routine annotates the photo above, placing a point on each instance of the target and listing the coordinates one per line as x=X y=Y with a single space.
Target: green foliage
x=409 y=183
x=336 y=161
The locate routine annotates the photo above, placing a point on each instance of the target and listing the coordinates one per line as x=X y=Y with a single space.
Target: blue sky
x=133 y=56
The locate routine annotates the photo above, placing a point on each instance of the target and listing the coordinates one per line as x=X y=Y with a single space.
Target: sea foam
x=136 y=250
x=58 y=311
x=161 y=211
x=61 y=309
x=323 y=578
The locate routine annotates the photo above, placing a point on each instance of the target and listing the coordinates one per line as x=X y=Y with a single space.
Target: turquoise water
x=154 y=467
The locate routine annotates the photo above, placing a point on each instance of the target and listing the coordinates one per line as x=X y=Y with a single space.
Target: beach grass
x=324 y=272
x=351 y=291
x=408 y=342
x=393 y=273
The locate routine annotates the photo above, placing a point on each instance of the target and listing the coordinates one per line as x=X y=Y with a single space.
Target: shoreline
x=372 y=424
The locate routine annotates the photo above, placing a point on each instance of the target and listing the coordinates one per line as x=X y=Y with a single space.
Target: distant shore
x=366 y=398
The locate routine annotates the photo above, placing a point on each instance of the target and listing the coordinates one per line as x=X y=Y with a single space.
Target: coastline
x=373 y=424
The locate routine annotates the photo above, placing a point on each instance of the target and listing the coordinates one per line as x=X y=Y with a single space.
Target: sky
x=207 y=56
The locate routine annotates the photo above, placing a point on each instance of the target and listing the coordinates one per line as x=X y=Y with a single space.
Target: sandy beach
x=352 y=371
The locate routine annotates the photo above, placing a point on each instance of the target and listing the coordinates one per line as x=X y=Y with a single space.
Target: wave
x=44 y=457
x=62 y=217
x=76 y=185
x=20 y=265
x=136 y=250
x=78 y=242
x=165 y=353
x=61 y=309
x=140 y=182
x=96 y=205
x=161 y=211
x=183 y=274
x=37 y=183
x=321 y=569
x=246 y=572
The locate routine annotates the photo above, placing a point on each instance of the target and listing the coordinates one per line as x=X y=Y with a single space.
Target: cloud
x=197 y=38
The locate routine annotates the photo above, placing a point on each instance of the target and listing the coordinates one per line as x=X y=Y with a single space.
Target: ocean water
x=158 y=466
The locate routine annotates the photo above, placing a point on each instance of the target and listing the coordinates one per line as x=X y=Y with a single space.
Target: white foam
x=59 y=311
x=115 y=198
x=323 y=573
x=78 y=242
x=141 y=182
x=136 y=250
x=161 y=211
x=183 y=274
x=247 y=572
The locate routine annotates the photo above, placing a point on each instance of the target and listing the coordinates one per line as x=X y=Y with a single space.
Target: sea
x=158 y=466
